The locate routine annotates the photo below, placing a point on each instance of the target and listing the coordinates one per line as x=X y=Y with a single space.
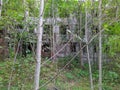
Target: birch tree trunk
x=88 y=55
x=0 y=7
x=53 y=25
x=81 y=52
x=100 y=45
x=39 y=44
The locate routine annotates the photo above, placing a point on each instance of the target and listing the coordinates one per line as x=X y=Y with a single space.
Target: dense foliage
x=15 y=22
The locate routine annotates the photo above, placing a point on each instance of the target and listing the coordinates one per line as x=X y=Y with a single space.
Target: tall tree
x=87 y=47
x=39 y=44
x=53 y=25
x=0 y=7
x=100 y=44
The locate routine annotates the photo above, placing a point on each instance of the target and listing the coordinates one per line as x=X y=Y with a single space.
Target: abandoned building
x=3 y=45
x=60 y=38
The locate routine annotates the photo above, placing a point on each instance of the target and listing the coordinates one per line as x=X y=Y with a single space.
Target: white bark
x=81 y=52
x=39 y=44
x=88 y=55
x=53 y=25
x=0 y=7
x=100 y=45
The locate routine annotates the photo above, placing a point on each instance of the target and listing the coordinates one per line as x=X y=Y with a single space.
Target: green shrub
x=69 y=75
x=22 y=71
x=74 y=63
x=106 y=87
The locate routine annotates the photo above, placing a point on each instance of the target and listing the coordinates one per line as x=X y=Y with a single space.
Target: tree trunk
x=80 y=32
x=0 y=7
x=88 y=55
x=100 y=45
x=39 y=44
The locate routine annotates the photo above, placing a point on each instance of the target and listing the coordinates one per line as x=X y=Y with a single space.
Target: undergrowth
x=71 y=78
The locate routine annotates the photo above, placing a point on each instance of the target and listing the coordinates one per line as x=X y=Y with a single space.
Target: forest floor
x=71 y=78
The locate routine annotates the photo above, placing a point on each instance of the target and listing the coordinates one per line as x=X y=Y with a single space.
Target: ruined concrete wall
x=3 y=46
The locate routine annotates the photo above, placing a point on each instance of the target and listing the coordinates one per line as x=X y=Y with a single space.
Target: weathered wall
x=3 y=46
